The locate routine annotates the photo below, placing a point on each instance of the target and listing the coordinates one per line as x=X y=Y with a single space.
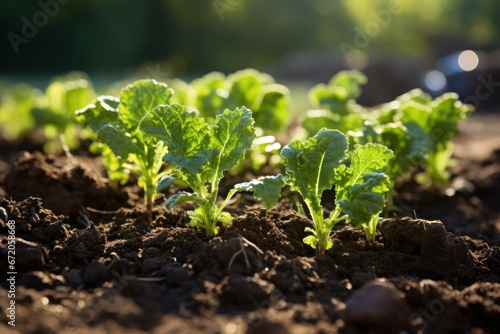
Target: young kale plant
x=201 y=153
x=16 y=106
x=55 y=112
x=438 y=119
x=116 y=123
x=269 y=102
x=417 y=128
x=335 y=105
x=24 y=108
x=315 y=165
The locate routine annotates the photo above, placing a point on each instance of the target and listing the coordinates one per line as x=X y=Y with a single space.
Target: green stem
x=324 y=230
x=371 y=228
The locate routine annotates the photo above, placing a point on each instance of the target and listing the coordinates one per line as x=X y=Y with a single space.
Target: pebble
x=378 y=304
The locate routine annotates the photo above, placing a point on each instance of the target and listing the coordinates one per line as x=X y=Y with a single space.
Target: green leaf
x=118 y=140
x=210 y=94
x=361 y=188
x=104 y=111
x=311 y=240
x=225 y=218
x=115 y=168
x=362 y=201
x=350 y=81
x=69 y=93
x=342 y=88
x=17 y=104
x=414 y=112
x=273 y=110
x=231 y=136
x=181 y=197
x=245 y=87
x=447 y=113
x=138 y=98
x=367 y=159
x=165 y=182
x=311 y=164
x=186 y=135
x=266 y=189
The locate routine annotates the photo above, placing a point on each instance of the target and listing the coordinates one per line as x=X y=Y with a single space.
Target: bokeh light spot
x=468 y=60
x=435 y=80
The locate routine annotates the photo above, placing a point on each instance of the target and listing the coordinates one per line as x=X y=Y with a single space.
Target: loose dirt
x=89 y=261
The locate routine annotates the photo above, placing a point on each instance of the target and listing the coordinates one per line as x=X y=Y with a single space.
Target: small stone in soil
x=378 y=305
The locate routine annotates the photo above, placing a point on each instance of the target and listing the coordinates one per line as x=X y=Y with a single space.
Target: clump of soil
x=65 y=185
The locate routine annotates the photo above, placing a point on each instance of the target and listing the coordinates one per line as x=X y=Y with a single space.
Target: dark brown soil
x=108 y=270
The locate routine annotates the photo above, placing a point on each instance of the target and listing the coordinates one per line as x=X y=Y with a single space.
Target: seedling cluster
x=191 y=135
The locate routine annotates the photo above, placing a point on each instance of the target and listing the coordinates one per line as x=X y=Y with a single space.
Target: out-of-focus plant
x=55 y=112
x=16 y=106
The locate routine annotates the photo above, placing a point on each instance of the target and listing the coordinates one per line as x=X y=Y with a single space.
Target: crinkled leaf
x=362 y=201
x=447 y=113
x=420 y=143
x=103 y=111
x=311 y=163
x=266 y=189
x=311 y=240
x=244 y=88
x=342 y=88
x=186 y=135
x=414 y=112
x=138 y=98
x=225 y=218
x=231 y=136
x=367 y=159
x=361 y=187
x=118 y=140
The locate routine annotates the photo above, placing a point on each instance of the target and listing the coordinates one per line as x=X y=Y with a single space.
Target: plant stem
x=149 y=207
x=67 y=152
x=371 y=229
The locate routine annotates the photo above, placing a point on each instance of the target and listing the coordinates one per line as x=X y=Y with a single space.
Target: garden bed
x=88 y=259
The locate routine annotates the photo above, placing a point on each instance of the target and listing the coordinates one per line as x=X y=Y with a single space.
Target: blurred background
x=398 y=44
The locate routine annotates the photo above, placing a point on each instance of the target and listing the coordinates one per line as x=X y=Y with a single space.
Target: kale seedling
x=55 y=112
x=335 y=105
x=315 y=165
x=16 y=117
x=439 y=119
x=116 y=123
x=201 y=152
x=24 y=108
